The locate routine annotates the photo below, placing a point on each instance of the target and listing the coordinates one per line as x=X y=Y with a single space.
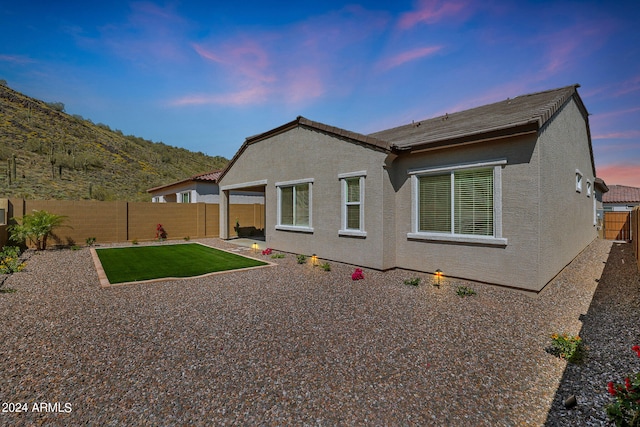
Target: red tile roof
x=211 y=176
x=621 y=194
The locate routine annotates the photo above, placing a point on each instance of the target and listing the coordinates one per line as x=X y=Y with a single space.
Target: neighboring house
x=502 y=193
x=200 y=188
x=601 y=188
x=621 y=198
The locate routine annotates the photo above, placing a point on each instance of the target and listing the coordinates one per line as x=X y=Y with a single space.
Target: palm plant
x=36 y=227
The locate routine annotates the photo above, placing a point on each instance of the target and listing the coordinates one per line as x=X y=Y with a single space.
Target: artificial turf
x=132 y=264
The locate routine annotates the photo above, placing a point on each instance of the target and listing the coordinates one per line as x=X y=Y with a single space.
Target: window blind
x=353 y=203
x=301 y=205
x=286 y=206
x=473 y=202
x=434 y=195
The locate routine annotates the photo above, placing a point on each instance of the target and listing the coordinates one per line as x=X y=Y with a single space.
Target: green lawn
x=132 y=264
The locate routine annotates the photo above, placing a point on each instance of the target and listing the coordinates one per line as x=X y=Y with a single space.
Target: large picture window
x=294 y=205
x=352 y=204
x=458 y=203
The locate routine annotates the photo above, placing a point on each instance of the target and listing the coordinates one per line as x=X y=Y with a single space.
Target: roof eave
x=512 y=130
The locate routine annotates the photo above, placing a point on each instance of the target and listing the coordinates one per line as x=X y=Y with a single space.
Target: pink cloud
x=563 y=49
x=430 y=12
x=243 y=59
x=408 y=56
x=249 y=96
x=629 y=86
x=620 y=174
x=629 y=134
x=16 y=59
x=302 y=84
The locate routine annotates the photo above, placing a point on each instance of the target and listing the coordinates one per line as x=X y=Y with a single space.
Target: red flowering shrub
x=160 y=233
x=357 y=275
x=267 y=251
x=625 y=411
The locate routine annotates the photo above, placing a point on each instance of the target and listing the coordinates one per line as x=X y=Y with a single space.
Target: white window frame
x=185 y=193
x=286 y=227
x=578 y=181
x=343 y=177
x=588 y=188
x=497 y=238
x=595 y=206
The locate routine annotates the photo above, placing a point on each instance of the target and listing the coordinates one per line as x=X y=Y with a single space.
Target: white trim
x=287 y=227
x=589 y=187
x=449 y=168
x=496 y=239
x=295 y=228
x=459 y=238
x=497 y=203
x=294 y=182
x=352 y=174
x=579 y=177
x=343 y=177
x=352 y=233
x=243 y=185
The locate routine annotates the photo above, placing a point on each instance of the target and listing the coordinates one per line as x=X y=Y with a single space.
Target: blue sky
x=204 y=75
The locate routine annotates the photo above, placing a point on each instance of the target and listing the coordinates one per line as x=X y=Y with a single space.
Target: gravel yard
x=295 y=345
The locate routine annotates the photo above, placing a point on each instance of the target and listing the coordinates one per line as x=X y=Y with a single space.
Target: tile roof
x=521 y=114
x=336 y=131
x=211 y=176
x=621 y=194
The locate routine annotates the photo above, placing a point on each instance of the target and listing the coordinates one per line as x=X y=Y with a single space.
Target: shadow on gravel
x=609 y=329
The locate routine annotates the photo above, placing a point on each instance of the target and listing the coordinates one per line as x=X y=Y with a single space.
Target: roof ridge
x=541 y=110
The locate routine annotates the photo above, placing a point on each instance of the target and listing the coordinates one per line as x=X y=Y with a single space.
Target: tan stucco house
x=200 y=188
x=502 y=193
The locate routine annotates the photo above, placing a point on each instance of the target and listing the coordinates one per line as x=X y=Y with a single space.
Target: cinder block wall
x=246 y=215
x=112 y=222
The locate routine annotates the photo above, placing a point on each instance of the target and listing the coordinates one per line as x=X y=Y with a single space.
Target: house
x=617 y=205
x=502 y=193
x=621 y=198
x=199 y=188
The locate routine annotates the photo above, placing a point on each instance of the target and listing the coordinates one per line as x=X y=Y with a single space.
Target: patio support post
x=224 y=214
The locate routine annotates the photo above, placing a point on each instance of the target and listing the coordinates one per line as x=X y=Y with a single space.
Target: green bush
x=301 y=259
x=10 y=260
x=464 y=291
x=567 y=347
x=326 y=266
x=412 y=282
x=36 y=227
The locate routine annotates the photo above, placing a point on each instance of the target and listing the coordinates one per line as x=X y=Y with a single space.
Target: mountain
x=48 y=154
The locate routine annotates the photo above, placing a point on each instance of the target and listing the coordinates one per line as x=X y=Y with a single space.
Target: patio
x=297 y=345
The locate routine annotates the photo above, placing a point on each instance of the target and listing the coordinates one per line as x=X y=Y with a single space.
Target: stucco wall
x=206 y=192
x=566 y=215
x=300 y=154
x=512 y=265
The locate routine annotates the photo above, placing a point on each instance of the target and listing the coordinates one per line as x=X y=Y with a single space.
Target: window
x=352 y=185
x=461 y=203
x=2 y=216
x=294 y=205
x=588 y=189
x=578 y=181
x=185 y=197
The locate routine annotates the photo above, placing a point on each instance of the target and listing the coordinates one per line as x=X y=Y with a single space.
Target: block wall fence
x=635 y=233
x=112 y=222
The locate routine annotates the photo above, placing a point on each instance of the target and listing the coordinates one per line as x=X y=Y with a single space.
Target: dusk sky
x=204 y=75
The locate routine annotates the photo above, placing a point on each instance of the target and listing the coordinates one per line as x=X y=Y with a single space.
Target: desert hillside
x=48 y=154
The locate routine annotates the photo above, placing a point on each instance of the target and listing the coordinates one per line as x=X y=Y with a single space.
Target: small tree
x=36 y=227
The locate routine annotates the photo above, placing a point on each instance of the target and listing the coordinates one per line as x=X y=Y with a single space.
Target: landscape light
x=438 y=275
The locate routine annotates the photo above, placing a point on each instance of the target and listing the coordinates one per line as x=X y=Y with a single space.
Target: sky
x=205 y=75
